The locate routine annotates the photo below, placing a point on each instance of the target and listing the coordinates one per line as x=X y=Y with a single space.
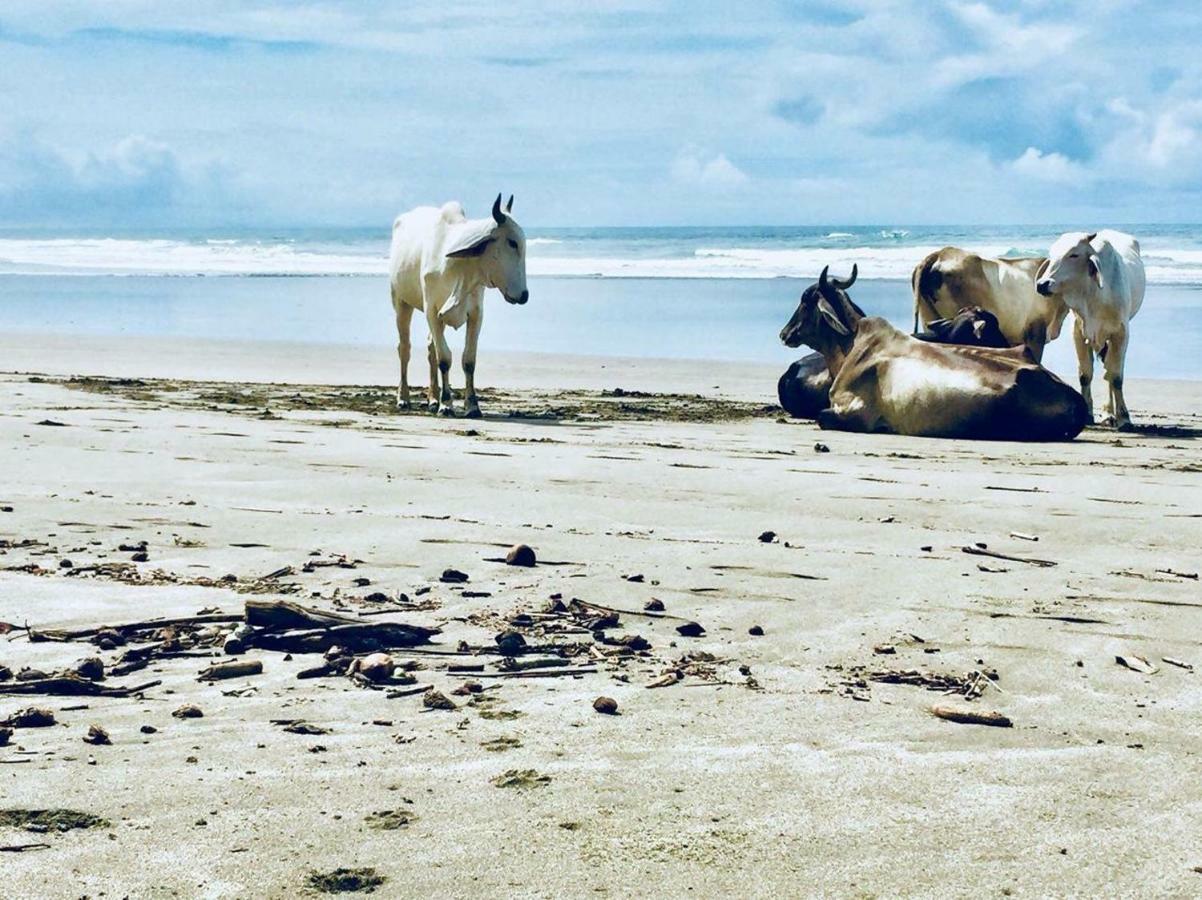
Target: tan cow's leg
x=1116 y=353
x=1084 y=366
x=404 y=318
x=474 y=320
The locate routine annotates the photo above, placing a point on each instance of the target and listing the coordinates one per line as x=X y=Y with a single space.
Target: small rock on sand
x=32 y=717
x=148 y=729
x=452 y=576
x=511 y=643
x=606 y=706
x=821 y=448
x=654 y=605
x=91 y=668
x=767 y=537
x=755 y=631
x=690 y=629
x=5 y=734
x=188 y=711
x=520 y=555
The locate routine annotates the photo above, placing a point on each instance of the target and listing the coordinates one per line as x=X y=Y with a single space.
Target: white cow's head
x=1072 y=266
x=499 y=248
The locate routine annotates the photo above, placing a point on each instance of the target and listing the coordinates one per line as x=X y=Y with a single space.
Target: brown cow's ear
x=1095 y=271
x=832 y=317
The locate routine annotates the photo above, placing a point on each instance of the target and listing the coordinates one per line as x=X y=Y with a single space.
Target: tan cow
x=885 y=380
x=952 y=279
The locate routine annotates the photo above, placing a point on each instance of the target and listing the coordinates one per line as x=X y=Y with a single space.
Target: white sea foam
x=160 y=257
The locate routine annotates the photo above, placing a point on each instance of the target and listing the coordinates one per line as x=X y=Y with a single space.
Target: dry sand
x=806 y=777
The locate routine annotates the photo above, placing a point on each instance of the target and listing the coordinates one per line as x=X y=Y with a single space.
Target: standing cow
x=440 y=255
x=1100 y=277
x=952 y=279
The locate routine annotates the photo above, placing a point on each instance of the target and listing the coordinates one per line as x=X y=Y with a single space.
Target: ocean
x=706 y=293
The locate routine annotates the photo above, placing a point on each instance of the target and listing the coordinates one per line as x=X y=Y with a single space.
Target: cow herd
x=974 y=372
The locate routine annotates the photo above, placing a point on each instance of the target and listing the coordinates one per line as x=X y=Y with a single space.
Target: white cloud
x=694 y=167
x=1054 y=167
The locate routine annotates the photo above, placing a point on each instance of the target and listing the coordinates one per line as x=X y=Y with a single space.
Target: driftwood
x=237 y=669
x=970 y=717
x=538 y=673
x=355 y=638
x=73 y=686
x=62 y=634
x=981 y=551
x=625 y=612
x=21 y=848
x=409 y=692
x=280 y=615
x=510 y=664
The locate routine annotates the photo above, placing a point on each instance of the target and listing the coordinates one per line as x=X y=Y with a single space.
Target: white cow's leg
x=474 y=320
x=1116 y=353
x=442 y=354
x=1084 y=366
x=432 y=384
x=404 y=318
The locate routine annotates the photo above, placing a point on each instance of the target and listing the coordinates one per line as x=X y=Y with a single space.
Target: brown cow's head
x=825 y=314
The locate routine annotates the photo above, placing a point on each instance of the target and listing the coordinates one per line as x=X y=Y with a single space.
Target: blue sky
x=242 y=112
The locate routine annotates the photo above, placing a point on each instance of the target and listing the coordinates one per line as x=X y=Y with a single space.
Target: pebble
x=606 y=706
x=91 y=668
x=755 y=631
x=767 y=537
x=520 y=555
x=188 y=711
x=148 y=729
x=654 y=605
x=511 y=643
x=821 y=448
x=65 y=564
x=452 y=576
x=690 y=629
x=5 y=734
x=435 y=700
x=141 y=556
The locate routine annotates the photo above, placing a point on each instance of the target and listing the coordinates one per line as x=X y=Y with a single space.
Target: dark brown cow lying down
x=885 y=380
x=804 y=388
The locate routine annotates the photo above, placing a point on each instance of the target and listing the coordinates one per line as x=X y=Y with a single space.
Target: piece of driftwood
x=280 y=615
x=1179 y=663
x=355 y=638
x=510 y=664
x=237 y=669
x=971 y=717
x=73 y=686
x=624 y=612
x=538 y=673
x=408 y=692
x=981 y=551
x=21 y=848
x=62 y=634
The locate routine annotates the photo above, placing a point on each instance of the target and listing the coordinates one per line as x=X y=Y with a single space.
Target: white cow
x=1100 y=276
x=440 y=255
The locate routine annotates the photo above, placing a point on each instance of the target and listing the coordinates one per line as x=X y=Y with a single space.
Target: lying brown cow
x=885 y=380
x=804 y=388
x=952 y=279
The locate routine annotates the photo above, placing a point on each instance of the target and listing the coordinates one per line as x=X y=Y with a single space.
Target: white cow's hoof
x=447 y=410
x=404 y=405
x=432 y=406
x=1125 y=425
x=473 y=412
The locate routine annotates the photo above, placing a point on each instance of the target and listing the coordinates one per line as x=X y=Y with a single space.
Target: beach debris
x=148 y=729
x=390 y=819
x=346 y=881
x=607 y=706
x=1180 y=664
x=820 y=447
x=668 y=678
x=30 y=717
x=521 y=778
x=30 y=674
x=47 y=820
x=302 y=727
x=511 y=643
x=188 y=711
x=433 y=699
x=6 y=673
x=755 y=631
x=767 y=537
x=690 y=629
x=519 y=555
x=501 y=744
x=73 y=686
x=1024 y=537
x=452 y=576
x=653 y=605
x=884 y=649
x=981 y=550
x=375 y=667
x=468 y=688
x=238 y=669
x=1136 y=664
x=1191 y=575
x=6 y=734
x=21 y=848
x=96 y=735
x=91 y=668
x=971 y=717
x=634 y=579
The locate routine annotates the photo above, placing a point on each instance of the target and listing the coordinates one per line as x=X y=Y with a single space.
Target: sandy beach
x=900 y=574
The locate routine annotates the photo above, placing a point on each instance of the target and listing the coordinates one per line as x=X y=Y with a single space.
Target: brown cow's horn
x=509 y=205
x=496 y=211
x=822 y=278
x=844 y=285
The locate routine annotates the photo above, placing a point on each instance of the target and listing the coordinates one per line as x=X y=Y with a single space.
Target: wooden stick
x=970 y=717
x=628 y=612
x=60 y=634
x=72 y=686
x=21 y=848
x=236 y=669
x=978 y=551
x=551 y=673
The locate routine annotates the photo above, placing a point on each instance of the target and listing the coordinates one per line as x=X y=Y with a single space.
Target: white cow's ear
x=471 y=240
x=1095 y=270
x=1043 y=267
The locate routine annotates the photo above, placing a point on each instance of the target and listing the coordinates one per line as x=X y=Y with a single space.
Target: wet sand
x=790 y=763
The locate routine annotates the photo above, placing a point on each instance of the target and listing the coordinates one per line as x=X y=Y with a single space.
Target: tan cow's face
x=1072 y=266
